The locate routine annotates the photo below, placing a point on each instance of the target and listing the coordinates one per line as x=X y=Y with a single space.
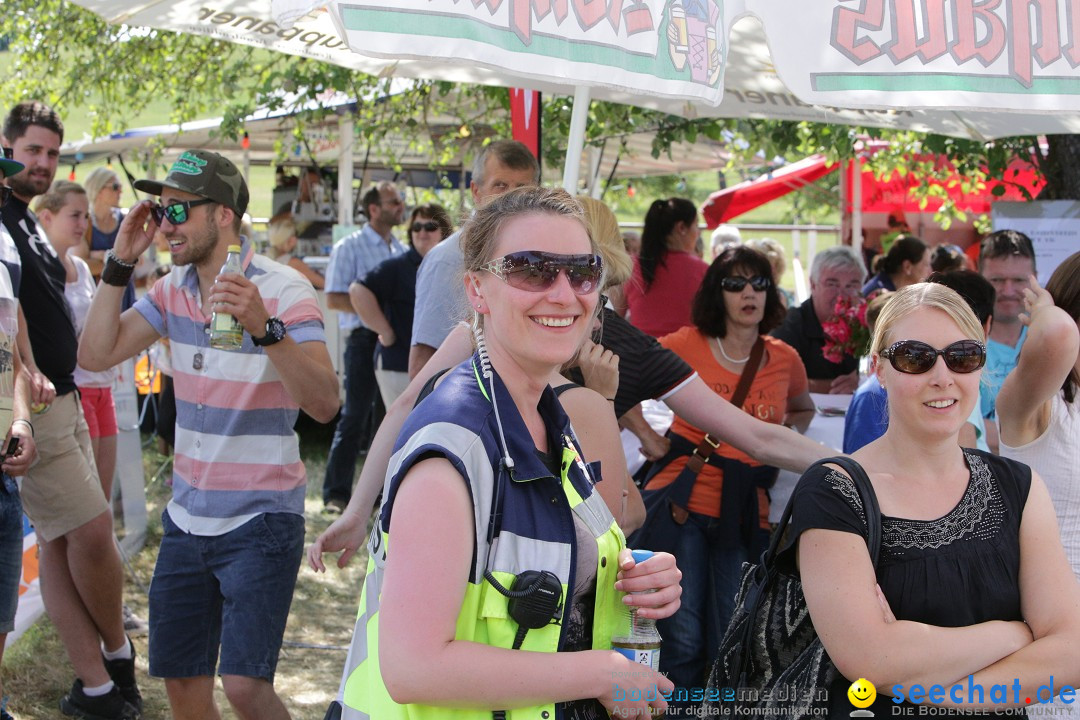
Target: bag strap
x=871 y=510
x=766 y=570
x=708 y=443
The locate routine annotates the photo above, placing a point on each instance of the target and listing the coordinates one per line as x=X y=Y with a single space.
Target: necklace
x=728 y=357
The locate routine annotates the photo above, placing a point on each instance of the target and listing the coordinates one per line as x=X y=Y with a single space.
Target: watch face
x=275 y=332
x=275 y=329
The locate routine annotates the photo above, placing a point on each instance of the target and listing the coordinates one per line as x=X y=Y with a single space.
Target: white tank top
x=1055 y=455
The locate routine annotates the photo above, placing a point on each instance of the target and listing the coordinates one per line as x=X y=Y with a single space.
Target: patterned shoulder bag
x=770 y=656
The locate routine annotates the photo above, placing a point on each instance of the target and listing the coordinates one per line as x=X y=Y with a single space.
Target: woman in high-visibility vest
x=487 y=496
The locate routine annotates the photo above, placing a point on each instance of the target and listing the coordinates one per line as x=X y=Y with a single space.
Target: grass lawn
x=36 y=672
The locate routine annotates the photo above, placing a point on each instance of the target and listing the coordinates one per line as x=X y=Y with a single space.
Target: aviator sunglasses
x=176 y=213
x=537 y=271
x=914 y=357
x=735 y=283
x=429 y=226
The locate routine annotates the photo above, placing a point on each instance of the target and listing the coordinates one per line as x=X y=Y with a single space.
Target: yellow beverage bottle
x=226 y=332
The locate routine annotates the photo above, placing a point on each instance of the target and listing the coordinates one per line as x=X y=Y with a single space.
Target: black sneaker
x=122 y=672
x=110 y=706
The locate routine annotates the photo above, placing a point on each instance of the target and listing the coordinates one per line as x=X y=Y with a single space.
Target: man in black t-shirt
x=81 y=573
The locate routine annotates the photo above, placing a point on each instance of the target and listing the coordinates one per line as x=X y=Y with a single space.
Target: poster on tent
x=1052 y=225
x=673 y=48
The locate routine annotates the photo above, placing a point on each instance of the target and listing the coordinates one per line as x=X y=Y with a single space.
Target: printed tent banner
x=962 y=68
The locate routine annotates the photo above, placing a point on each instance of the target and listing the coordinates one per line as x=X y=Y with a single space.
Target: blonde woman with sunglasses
x=972 y=588
x=487 y=495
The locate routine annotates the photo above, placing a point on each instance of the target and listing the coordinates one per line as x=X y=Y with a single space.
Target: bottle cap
x=234 y=249
x=641 y=555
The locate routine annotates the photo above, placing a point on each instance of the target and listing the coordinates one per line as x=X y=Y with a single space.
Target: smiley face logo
x=862 y=693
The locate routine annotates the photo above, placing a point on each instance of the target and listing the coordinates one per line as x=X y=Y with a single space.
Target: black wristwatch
x=275 y=332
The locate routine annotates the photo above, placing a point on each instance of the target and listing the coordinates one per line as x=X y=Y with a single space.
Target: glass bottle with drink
x=642 y=643
x=226 y=332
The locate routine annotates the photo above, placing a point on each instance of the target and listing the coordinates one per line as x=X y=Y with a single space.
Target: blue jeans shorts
x=11 y=551
x=231 y=591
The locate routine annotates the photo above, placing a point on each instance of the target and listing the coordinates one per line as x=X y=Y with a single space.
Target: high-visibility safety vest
x=534 y=532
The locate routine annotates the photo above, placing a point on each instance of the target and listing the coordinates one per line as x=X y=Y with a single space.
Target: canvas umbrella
x=979 y=72
x=976 y=73
x=893 y=193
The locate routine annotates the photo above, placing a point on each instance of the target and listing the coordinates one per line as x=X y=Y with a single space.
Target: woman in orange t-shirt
x=738 y=303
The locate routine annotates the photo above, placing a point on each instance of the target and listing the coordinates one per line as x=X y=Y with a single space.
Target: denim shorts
x=11 y=551
x=231 y=591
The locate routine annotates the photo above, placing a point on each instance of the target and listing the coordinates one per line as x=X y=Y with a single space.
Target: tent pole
x=575 y=144
x=856 y=203
x=345 y=171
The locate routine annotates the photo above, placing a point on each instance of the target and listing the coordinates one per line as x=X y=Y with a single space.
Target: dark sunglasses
x=177 y=212
x=914 y=357
x=537 y=271
x=5 y=195
x=735 y=283
x=430 y=226
x=115 y=186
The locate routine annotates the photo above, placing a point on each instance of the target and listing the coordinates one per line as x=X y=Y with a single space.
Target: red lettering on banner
x=907 y=43
x=521 y=15
x=589 y=12
x=638 y=19
x=846 y=25
x=973 y=17
x=1030 y=33
x=1047 y=43
x=1072 y=50
x=634 y=15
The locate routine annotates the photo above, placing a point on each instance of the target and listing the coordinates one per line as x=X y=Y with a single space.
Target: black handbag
x=771 y=656
x=665 y=508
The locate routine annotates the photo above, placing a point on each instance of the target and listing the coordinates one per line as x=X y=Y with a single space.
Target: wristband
x=25 y=422
x=116 y=272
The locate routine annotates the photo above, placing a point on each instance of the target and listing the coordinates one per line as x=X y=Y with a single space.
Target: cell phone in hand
x=12 y=448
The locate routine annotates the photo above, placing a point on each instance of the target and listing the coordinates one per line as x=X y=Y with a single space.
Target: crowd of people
x=487 y=373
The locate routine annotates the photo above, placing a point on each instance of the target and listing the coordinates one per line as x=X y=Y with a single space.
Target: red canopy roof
x=884 y=195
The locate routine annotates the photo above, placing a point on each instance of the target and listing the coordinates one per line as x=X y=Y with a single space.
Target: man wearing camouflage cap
x=234 y=529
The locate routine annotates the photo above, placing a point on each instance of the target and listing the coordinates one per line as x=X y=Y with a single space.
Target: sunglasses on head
x=176 y=213
x=537 y=271
x=429 y=225
x=736 y=283
x=914 y=357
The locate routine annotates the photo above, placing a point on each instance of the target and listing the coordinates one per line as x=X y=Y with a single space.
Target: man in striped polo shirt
x=234 y=529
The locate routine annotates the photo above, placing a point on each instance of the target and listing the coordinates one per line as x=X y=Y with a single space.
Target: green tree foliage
x=69 y=57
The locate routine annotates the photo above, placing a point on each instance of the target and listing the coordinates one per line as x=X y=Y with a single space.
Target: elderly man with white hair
x=834 y=272
x=723 y=236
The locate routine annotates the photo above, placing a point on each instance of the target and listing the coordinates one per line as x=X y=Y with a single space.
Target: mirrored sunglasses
x=176 y=213
x=736 y=283
x=429 y=226
x=537 y=271
x=914 y=357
